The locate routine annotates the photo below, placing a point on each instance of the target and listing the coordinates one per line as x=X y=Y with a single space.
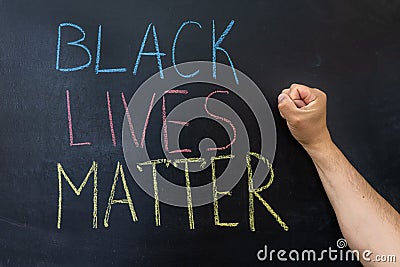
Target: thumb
x=286 y=106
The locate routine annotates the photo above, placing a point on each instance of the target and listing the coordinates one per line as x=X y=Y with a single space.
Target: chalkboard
x=69 y=69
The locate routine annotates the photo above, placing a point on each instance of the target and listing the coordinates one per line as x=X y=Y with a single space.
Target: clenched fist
x=304 y=110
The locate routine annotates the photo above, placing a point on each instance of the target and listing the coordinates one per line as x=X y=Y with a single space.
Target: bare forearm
x=366 y=219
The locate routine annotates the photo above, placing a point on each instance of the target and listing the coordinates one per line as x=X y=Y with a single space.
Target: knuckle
x=292 y=92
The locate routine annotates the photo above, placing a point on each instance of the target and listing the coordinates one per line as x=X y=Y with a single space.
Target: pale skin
x=366 y=219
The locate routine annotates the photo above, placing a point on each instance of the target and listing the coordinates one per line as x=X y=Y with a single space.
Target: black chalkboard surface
x=62 y=115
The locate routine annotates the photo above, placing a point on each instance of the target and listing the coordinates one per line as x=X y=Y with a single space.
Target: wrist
x=320 y=147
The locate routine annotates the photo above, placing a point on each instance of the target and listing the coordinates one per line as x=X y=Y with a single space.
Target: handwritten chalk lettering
x=157 y=53
x=220 y=118
x=128 y=116
x=127 y=200
x=186 y=162
x=255 y=192
x=174 y=48
x=77 y=191
x=146 y=122
x=70 y=130
x=98 y=53
x=154 y=164
x=119 y=172
x=110 y=119
x=164 y=119
x=67 y=61
x=111 y=122
x=76 y=43
x=216 y=46
x=216 y=192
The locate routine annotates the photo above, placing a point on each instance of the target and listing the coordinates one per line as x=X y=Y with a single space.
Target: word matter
x=119 y=172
